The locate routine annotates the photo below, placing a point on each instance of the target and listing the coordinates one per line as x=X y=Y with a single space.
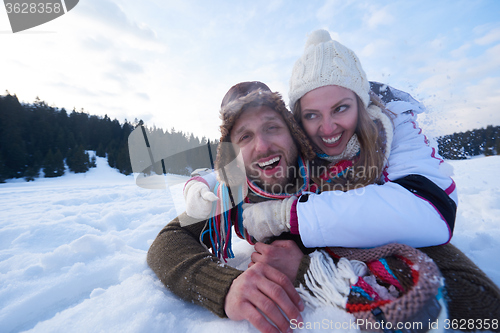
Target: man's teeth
x=332 y=140
x=271 y=161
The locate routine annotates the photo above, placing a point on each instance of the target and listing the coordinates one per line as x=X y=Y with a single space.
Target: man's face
x=267 y=148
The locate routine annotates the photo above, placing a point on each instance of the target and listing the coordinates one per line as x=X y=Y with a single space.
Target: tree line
x=40 y=140
x=458 y=146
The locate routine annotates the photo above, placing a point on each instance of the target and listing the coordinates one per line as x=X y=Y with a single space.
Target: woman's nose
x=328 y=126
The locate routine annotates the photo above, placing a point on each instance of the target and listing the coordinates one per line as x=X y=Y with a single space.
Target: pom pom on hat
x=317 y=37
x=327 y=62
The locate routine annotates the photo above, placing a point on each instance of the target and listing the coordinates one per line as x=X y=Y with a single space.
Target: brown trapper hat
x=252 y=94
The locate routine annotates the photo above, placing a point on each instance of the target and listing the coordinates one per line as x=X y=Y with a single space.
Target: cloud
x=439 y=43
x=108 y=13
x=143 y=96
x=171 y=62
x=332 y=9
x=379 y=17
x=376 y=48
x=491 y=37
x=129 y=66
x=97 y=43
x=461 y=51
x=464 y=89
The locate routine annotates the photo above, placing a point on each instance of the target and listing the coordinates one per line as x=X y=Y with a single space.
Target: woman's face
x=329 y=116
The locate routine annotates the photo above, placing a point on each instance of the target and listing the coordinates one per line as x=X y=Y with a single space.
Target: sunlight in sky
x=170 y=63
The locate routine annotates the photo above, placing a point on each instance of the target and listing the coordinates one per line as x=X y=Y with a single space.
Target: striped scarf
x=227 y=213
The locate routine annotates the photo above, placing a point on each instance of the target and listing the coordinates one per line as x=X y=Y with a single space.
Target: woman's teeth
x=332 y=140
x=271 y=161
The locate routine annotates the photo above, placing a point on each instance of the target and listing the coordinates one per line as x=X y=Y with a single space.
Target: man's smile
x=269 y=163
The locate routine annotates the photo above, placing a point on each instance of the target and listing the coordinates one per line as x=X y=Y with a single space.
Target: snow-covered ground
x=73 y=251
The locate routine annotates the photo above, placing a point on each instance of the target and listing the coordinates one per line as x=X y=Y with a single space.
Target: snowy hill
x=73 y=251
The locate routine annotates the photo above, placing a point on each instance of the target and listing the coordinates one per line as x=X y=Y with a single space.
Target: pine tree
x=12 y=136
x=31 y=173
x=93 y=162
x=123 y=161
x=48 y=164
x=53 y=165
x=100 y=150
x=78 y=160
x=59 y=163
x=2 y=169
x=489 y=145
x=111 y=152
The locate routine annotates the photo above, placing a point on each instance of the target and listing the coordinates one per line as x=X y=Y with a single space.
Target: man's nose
x=262 y=144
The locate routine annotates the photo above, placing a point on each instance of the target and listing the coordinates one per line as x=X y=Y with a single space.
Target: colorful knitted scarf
x=352 y=149
x=394 y=283
x=228 y=210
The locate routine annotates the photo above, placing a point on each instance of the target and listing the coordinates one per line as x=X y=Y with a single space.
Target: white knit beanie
x=326 y=62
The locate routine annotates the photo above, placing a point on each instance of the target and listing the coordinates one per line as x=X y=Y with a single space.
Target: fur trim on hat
x=230 y=113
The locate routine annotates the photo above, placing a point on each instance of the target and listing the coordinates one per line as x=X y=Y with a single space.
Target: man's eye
x=244 y=137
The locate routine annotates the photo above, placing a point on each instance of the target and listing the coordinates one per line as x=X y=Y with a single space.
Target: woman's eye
x=342 y=108
x=309 y=116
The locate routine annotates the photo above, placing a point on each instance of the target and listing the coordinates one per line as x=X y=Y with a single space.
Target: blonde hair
x=369 y=166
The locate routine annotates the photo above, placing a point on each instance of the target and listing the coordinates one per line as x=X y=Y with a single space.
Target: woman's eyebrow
x=333 y=106
x=341 y=101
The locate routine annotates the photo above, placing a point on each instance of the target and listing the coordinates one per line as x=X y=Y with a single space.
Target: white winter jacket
x=408 y=208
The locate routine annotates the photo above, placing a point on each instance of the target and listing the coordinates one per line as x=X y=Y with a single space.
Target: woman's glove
x=198 y=198
x=266 y=219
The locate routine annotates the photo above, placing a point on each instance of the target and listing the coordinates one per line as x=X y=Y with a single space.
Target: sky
x=170 y=63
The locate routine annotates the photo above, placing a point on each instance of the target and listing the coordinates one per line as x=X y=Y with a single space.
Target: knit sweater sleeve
x=303 y=268
x=187 y=269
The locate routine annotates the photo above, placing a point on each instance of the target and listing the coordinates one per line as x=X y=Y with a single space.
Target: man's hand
x=267 y=219
x=263 y=290
x=283 y=255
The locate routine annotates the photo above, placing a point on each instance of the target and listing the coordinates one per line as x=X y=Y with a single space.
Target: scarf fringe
x=327 y=284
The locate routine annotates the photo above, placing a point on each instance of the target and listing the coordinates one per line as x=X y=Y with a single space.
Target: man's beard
x=283 y=181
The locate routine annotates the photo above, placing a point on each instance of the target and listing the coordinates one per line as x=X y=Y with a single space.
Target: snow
x=73 y=252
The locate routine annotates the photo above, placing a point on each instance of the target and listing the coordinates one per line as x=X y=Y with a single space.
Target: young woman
x=380 y=181
x=377 y=179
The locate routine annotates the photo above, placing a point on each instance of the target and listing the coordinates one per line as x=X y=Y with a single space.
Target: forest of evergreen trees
x=458 y=146
x=40 y=140
x=37 y=139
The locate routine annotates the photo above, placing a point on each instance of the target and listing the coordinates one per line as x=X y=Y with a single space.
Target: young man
x=258 y=123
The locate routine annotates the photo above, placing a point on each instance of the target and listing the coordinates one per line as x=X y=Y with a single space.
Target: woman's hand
x=198 y=199
x=266 y=219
